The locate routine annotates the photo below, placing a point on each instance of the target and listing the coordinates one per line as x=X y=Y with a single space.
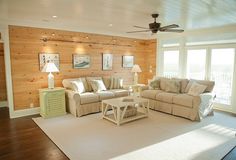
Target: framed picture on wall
x=107 y=61
x=127 y=61
x=46 y=58
x=81 y=61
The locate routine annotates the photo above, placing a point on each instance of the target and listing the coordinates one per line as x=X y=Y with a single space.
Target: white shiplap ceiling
x=94 y=16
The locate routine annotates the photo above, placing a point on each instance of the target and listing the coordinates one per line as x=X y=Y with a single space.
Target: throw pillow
x=78 y=86
x=116 y=83
x=107 y=81
x=172 y=86
x=155 y=84
x=89 y=79
x=98 y=85
x=196 y=89
x=190 y=83
x=183 y=83
x=209 y=84
x=163 y=83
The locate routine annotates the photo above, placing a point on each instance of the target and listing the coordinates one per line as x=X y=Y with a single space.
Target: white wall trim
x=3 y=104
x=5 y=38
x=234 y=85
x=25 y=112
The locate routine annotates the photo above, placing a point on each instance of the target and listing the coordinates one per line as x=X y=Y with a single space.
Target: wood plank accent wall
x=3 y=90
x=25 y=45
x=151 y=67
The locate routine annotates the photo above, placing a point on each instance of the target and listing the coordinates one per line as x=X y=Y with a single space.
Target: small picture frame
x=49 y=58
x=107 y=60
x=81 y=61
x=127 y=61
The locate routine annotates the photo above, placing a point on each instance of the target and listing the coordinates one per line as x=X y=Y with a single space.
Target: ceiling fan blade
x=139 y=31
x=141 y=27
x=172 y=30
x=169 y=26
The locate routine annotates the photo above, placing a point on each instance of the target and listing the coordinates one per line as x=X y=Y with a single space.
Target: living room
x=112 y=42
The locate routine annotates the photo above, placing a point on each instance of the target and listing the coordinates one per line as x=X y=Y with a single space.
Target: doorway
x=3 y=88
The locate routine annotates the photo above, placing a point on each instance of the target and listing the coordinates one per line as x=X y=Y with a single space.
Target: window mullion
x=208 y=64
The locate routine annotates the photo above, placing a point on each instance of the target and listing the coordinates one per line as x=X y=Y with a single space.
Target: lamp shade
x=50 y=67
x=136 y=69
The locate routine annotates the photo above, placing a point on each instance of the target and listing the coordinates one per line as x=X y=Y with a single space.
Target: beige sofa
x=80 y=104
x=181 y=104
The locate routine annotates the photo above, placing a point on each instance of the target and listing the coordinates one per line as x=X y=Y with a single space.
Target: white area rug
x=159 y=137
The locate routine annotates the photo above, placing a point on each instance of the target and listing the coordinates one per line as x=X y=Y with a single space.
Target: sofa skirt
x=85 y=109
x=177 y=110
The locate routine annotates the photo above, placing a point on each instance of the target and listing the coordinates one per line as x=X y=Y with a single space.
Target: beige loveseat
x=80 y=104
x=181 y=104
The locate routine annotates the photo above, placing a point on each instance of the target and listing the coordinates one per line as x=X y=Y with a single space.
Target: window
x=196 y=64
x=222 y=67
x=171 y=63
x=214 y=61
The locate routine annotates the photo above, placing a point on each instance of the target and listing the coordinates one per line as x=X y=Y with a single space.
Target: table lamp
x=136 y=69
x=50 y=68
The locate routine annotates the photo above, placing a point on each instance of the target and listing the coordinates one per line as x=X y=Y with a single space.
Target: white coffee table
x=118 y=109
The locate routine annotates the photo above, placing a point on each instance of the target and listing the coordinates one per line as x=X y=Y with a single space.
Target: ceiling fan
x=155 y=27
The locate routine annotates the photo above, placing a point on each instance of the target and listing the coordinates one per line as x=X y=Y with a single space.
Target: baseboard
x=225 y=111
x=25 y=112
x=3 y=104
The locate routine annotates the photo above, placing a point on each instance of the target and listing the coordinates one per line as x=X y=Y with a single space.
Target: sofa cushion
x=120 y=92
x=89 y=79
x=166 y=97
x=172 y=86
x=105 y=95
x=187 y=100
x=210 y=84
x=150 y=93
x=183 y=84
x=88 y=97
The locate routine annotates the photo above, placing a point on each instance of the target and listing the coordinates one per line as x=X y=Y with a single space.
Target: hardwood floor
x=21 y=138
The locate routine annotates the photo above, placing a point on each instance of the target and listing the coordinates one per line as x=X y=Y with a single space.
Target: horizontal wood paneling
x=3 y=91
x=25 y=45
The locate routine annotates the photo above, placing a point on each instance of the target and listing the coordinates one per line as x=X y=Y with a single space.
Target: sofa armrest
x=72 y=95
x=208 y=94
x=206 y=105
x=72 y=102
x=142 y=88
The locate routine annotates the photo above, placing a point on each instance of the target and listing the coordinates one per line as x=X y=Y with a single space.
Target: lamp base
x=50 y=81
x=135 y=78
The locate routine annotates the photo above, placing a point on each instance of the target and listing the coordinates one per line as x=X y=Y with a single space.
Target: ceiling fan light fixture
x=154 y=27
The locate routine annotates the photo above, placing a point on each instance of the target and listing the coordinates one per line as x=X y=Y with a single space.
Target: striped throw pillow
x=116 y=83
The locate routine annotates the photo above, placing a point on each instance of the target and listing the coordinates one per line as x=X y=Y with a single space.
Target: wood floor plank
x=21 y=138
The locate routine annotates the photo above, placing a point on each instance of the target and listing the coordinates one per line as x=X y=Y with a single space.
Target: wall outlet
x=31 y=105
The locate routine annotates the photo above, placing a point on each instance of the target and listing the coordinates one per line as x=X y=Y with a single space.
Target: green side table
x=52 y=102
